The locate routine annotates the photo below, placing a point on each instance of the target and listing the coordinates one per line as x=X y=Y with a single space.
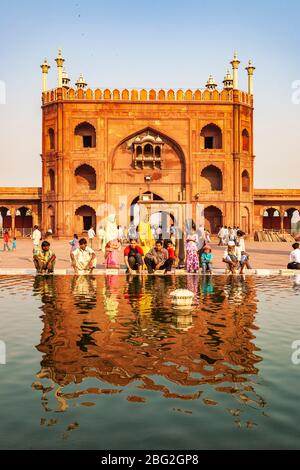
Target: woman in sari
x=192 y=257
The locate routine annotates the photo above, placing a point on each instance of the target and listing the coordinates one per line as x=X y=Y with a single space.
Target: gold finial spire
x=45 y=70
x=250 y=69
x=60 y=60
x=60 y=63
x=235 y=66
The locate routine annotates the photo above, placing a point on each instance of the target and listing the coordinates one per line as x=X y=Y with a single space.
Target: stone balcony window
x=147 y=152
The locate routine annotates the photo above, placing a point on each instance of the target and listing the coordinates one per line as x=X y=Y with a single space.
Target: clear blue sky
x=166 y=43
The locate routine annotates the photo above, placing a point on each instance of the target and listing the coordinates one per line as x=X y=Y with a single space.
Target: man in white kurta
x=36 y=238
x=83 y=259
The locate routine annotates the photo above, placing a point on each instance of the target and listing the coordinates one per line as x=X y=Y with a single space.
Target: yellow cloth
x=145 y=237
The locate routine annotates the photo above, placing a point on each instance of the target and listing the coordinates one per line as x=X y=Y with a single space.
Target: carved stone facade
x=107 y=150
x=194 y=147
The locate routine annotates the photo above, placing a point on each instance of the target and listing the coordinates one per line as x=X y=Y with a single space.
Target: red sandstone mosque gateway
x=173 y=146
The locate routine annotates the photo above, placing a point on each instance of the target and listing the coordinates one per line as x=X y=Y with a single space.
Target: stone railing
x=143 y=95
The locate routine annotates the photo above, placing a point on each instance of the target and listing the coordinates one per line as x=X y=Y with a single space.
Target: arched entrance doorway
x=272 y=219
x=85 y=218
x=24 y=221
x=151 y=209
x=142 y=200
x=213 y=219
x=5 y=219
x=292 y=220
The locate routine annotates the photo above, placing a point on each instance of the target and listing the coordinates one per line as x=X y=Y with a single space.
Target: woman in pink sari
x=192 y=258
x=112 y=254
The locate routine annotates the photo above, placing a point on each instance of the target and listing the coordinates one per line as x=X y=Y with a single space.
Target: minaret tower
x=228 y=81
x=211 y=84
x=235 y=67
x=60 y=64
x=81 y=83
x=45 y=70
x=250 y=69
x=65 y=79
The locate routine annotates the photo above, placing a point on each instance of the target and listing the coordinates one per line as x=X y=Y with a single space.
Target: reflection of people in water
x=110 y=297
x=235 y=289
x=207 y=286
x=44 y=286
x=297 y=282
x=192 y=284
x=79 y=344
x=84 y=289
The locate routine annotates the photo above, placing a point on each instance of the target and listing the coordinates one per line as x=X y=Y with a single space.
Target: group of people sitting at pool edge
x=155 y=255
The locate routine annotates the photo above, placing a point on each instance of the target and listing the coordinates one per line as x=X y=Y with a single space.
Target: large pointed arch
x=172 y=142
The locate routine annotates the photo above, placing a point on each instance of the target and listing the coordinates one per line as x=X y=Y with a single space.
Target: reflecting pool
x=108 y=363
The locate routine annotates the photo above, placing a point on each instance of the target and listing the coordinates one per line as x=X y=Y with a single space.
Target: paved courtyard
x=263 y=255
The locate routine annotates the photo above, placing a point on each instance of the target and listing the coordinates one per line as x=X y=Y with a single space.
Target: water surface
x=107 y=363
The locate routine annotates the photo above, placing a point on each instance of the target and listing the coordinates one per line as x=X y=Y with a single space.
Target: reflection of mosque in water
x=123 y=331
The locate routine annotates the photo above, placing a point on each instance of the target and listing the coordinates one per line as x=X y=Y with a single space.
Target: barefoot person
x=83 y=259
x=133 y=256
x=158 y=259
x=206 y=260
x=243 y=256
x=192 y=251
x=231 y=257
x=44 y=259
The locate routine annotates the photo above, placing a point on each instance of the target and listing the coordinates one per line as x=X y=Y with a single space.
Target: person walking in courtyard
x=6 y=241
x=192 y=249
x=83 y=259
x=101 y=239
x=157 y=259
x=231 y=257
x=295 y=257
x=36 y=238
x=44 y=259
x=134 y=257
x=91 y=235
x=221 y=236
x=206 y=260
x=74 y=243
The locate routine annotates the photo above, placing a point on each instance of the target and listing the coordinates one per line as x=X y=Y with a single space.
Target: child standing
x=6 y=241
x=172 y=255
x=111 y=254
x=206 y=260
x=14 y=244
